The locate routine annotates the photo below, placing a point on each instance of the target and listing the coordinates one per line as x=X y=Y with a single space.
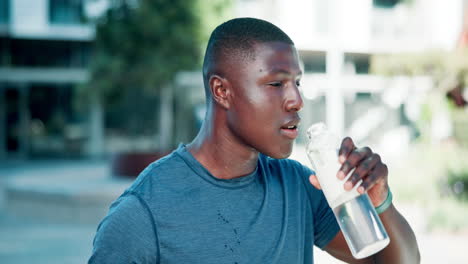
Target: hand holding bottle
x=368 y=167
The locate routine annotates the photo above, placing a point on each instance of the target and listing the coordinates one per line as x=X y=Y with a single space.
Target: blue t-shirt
x=177 y=212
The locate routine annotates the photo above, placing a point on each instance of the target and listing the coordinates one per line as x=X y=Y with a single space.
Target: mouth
x=290 y=127
x=290 y=130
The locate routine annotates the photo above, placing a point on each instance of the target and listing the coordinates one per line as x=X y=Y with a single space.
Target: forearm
x=403 y=247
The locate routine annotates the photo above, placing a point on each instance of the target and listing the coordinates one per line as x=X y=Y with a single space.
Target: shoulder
x=296 y=175
x=159 y=175
x=129 y=232
x=126 y=234
x=290 y=172
x=127 y=211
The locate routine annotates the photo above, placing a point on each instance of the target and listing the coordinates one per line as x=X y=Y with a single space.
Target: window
x=360 y=62
x=385 y=3
x=4 y=11
x=314 y=61
x=48 y=53
x=4 y=51
x=66 y=11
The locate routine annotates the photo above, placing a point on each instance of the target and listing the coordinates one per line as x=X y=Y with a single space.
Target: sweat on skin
x=235 y=174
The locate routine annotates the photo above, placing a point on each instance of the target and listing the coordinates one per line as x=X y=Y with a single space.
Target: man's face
x=265 y=99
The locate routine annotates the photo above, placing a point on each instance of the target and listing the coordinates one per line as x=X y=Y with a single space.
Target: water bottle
x=356 y=216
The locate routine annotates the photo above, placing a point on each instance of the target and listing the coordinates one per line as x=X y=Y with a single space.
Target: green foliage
x=457 y=180
x=448 y=214
x=428 y=63
x=450 y=210
x=428 y=176
x=447 y=68
x=212 y=13
x=460 y=125
x=139 y=48
x=142 y=46
x=455 y=184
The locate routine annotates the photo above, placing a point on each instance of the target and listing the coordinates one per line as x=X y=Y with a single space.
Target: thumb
x=314 y=181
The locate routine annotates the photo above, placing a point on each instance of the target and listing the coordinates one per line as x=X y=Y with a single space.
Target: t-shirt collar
x=201 y=171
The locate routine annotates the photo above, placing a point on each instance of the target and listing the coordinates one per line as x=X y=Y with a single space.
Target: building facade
x=45 y=48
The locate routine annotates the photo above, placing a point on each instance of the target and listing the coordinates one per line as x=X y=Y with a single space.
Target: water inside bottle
x=361 y=227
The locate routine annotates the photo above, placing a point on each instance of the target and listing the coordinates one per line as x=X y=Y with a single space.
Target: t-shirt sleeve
x=325 y=224
x=126 y=235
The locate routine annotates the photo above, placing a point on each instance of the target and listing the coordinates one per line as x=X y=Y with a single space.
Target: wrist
x=385 y=204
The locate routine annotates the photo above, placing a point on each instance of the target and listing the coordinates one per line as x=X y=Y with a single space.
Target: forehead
x=273 y=56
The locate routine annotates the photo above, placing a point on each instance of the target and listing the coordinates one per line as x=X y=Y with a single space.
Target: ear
x=220 y=90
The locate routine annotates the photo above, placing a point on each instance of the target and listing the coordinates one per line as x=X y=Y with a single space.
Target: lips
x=289 y=129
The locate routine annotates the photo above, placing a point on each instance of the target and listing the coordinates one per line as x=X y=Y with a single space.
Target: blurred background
x=91 y=91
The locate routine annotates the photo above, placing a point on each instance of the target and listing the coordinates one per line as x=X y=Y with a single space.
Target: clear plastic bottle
x=358 y=220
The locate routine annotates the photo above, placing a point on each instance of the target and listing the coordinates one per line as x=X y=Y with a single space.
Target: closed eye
x=275 y=84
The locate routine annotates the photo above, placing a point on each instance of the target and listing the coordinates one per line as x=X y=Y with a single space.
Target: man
x=230 y=196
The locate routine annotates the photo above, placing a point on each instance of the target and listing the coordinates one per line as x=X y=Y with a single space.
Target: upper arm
x=126 y=235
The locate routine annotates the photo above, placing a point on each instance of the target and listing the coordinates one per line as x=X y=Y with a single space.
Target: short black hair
x=236 y=38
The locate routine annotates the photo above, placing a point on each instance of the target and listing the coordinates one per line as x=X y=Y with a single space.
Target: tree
x=449 y=72
x=140 y=46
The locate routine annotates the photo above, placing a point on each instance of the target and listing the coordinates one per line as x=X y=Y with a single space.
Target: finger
x=362 y=170
x=378 y=174
x=347 y=146
x=353 y=160
x=314 y=181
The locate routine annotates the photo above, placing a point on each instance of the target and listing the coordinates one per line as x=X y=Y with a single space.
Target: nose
x=293 y=102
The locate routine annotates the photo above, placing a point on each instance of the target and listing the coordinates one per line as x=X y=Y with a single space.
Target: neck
x=220 y=153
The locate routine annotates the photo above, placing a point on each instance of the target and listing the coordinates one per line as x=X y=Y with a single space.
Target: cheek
x=256 y=106
x=255 y=96
x=260 y=110
x=263 y=100
x=252 y=117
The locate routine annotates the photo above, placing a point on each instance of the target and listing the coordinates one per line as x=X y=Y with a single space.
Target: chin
x=282 y=153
